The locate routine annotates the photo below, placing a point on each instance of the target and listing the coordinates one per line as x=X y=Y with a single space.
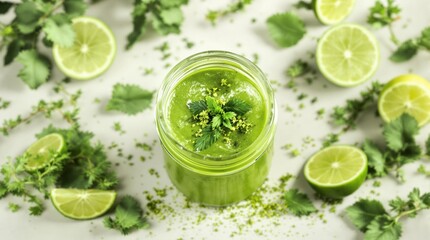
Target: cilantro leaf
x=405 y=51
x=197 y=107
x=375 y=159
x=237 y=106
x=400 y=132
x=75 y=7
x=286 y=29
x=36 y=68
x=363 y=212
x=424 y=40
x=128 y=216
x=299 y=203
x=172 y=16
x=12 y=51
x=382 y=15
x=129 y=99
x=208 y=137
x=383 y=228
x=27 y=17
x=5 y=6
x=58 y=29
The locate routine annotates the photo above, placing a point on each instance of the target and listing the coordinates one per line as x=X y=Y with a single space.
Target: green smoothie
x=216 y=122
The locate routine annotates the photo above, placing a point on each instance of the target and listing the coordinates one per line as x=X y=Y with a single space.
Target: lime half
x=43 y=150
x=92 y=52
x=407 y=93
x=347 y=55
x=82 y=204
x=332 y=11
x=336 y=171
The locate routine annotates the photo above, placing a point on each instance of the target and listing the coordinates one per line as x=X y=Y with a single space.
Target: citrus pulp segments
x=331 y=12
x=347 y=55
x=407 y=93
x=42 y=151
x=82 y=204
x=92 y=53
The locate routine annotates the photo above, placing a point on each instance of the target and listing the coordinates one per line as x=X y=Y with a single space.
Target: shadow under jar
x=224 y=162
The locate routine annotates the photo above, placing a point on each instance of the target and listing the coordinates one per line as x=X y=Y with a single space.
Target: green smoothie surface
x=219 y=85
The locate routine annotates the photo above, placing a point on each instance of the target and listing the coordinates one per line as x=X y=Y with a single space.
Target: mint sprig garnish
x=217 y=118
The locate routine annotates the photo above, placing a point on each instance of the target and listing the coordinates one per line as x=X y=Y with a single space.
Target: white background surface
x=239 y=35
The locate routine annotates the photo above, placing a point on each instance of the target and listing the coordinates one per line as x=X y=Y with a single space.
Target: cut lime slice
x=407 y=93
x=82 y=204
x=336 y=171
x=331 y=12
x=347 y=55
x=43 y=150
x=92 y=52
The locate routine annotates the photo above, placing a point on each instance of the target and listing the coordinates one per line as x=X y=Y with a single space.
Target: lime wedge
x=82 y=204
x=331 y=12
x=347 y=55
x=407 y=93
x=92 y=52
x=336 y=171
x=43 y=150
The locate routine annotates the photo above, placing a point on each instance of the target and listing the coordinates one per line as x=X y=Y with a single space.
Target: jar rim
x=234 y=160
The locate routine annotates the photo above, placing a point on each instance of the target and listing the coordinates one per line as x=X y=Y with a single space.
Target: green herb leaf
x=216 y=121
x=5 y=6
x=27 y=17
x=12 y=51
x=172 y=16
x=286 y=29
x=36 y=68
x=383 y=227
x=299 y=203
x=405 y=51
x=129 y=99
x=208 y=137
x=75 y=7
x=400 y=132
x=197 y=107
x=139 y=20
x=375 y=159
x=213 y=106
x=428 y=146
x=128 y=216
x=382 y=15
x=58 y=29
x=363 y=212
x=237 y=106
x=299 y=68
x=173 y=3
x=213 y=15
x=424 y=40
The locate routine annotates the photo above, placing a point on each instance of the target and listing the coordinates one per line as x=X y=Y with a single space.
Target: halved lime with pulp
x=407 y=93
x=92 y=52
x=332 y=11
x=43 y=150
x=336 y=171
x=82 y=204
x=347 y=55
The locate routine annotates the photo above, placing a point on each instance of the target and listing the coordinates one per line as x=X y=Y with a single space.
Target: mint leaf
x=405 y=51
x=363 y=212
x=400 y=132
x=5 y=6
x=298 y=203
x=58 y=29
x=36 y=68
x=128 y=216
x=375 y=159
x=286 y=29
x=27 y=17
x=237 y=106
x=75 y=7
x=383 y=228
x=129 y=99
x=197 y=107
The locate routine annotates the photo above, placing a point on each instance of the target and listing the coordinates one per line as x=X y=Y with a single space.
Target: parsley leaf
x=400 y=132
x=383 y=227
x=298 y=203
x=128 y=216
x=375 y=159
x=384 y=15
x=286 y=29
x=27 y=16
x=36 y=68
x=363 y=212
x=58 y=29
x=129 y=99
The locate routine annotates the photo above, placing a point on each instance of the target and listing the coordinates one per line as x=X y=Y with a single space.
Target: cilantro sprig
x=298 y=203
x=165 y=15
x=129 y=99
x=35 y=21
x=370 y=216
x=213 y=15
x=382 y=15
x=217 y=118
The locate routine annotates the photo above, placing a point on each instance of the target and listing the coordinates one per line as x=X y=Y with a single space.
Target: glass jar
x=216 y=180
